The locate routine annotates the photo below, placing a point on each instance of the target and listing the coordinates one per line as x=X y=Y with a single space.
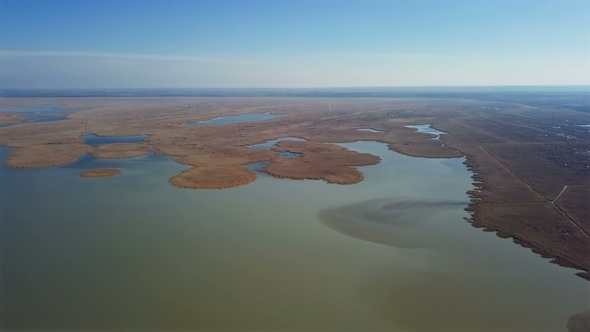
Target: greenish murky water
x=392 y=253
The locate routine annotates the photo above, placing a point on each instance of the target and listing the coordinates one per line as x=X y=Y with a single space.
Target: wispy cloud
x=386 y=55
x=124 y=56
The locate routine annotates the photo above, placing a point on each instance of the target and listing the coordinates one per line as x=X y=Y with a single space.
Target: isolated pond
x=427 y=129
x=391 y=253
x=252 y=117
x=96 y=140
x=41 y=113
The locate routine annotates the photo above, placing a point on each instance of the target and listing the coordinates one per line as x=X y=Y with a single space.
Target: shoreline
x=477 y=198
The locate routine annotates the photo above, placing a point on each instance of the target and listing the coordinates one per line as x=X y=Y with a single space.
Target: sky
x=293 y=43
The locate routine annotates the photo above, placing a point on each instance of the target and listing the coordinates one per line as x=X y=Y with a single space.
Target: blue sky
x=299 y=43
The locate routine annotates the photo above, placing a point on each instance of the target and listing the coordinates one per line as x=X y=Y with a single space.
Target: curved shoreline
x=476 y=198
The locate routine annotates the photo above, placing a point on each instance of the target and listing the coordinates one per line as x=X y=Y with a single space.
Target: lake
x=391 y=253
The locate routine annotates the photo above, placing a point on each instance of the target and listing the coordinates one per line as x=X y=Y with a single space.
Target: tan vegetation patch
x=320 y=161
x=220 y=156
x=101 y=173
x=46 y=155
x=120 y=150
x=11 y=118
x=213 y=177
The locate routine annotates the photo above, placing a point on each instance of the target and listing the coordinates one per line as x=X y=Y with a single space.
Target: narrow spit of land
x=522 y=156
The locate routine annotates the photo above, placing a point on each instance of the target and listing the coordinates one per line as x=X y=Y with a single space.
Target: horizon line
x=316 y=87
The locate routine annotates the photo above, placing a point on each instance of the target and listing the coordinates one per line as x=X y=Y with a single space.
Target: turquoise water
x=391 y=253
x=252 y=117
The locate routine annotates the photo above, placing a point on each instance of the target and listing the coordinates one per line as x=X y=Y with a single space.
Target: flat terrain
x=531 y=164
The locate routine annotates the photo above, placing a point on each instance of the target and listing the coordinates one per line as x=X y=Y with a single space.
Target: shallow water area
x=252 y=117
x=40 y=113
x=391 y=253
x=98 y=140
x=371 y=130
x=289 y=154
